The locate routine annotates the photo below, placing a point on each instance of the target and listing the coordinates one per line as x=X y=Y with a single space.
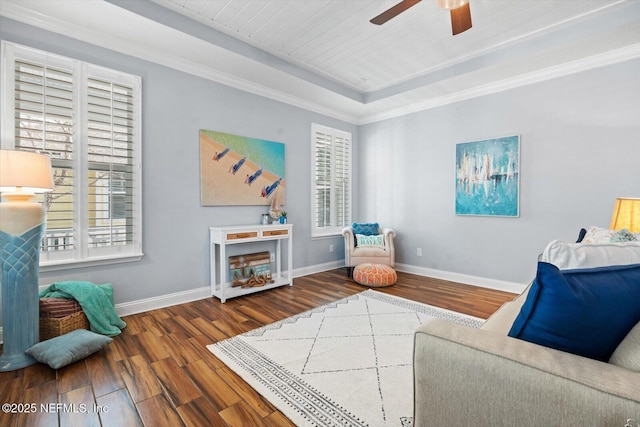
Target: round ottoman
x=375 y=275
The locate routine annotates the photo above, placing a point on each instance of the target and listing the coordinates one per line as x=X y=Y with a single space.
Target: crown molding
x=22 y=13
x=596 y=61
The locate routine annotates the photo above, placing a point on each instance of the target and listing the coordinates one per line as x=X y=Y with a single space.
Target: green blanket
x=96 y=302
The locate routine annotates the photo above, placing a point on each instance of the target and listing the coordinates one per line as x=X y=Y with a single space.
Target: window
x=331 y=180
x=87 y=119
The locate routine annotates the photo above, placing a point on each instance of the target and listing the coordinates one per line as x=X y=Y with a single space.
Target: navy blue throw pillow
x=587 y=312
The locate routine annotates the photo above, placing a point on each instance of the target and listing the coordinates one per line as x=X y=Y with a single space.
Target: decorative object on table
x=59 y=316
x=236 y=170
x=626 y=214
x=96 y=302
x=250 y=270
x=283 y=217
x=265 y=219
x=362 y=343
x=22 y=174
x=375 y=275
x=487 y=177
x=275 y=210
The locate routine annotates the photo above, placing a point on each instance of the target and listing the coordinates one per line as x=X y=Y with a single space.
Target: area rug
x=348 y=363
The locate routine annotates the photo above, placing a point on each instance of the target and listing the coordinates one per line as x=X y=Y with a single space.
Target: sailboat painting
x=487 y=177
x=236 y=170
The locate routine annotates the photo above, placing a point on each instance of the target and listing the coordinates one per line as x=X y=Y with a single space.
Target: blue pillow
x=366 y=229
x=68 y=348
x=587 y=312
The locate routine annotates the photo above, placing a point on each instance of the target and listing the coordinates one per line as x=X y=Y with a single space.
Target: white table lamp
x=22 y=175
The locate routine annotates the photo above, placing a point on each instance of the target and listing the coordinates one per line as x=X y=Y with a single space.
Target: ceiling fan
x=460 y=13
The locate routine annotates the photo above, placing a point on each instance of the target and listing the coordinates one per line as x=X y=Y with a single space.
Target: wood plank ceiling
x=334 y=39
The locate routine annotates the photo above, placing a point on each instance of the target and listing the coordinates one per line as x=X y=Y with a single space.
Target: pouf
x=375 y=275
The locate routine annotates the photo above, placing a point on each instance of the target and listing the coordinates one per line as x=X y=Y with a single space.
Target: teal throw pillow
x=587 y=312
x=366 y=229
x=68 y=348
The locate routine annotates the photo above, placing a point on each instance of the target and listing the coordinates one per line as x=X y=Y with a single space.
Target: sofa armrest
x=464 y=375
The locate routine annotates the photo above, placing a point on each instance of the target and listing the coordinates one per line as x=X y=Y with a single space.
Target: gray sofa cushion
x=627 y=354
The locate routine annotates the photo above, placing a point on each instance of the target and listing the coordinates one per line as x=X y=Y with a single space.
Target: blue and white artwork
x=487 y=177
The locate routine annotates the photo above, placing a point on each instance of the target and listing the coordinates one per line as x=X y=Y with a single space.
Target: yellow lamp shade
x=626 y=214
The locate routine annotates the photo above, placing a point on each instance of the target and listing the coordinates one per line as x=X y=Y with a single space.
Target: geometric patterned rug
x=347 y=363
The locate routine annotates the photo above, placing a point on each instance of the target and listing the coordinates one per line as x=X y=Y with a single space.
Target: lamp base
x=19 y=256
x=11 y=362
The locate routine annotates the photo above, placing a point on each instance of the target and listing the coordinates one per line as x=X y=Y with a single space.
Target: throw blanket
x=96 y=302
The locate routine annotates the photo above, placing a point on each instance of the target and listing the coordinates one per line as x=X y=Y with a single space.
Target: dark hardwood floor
x=158 y=372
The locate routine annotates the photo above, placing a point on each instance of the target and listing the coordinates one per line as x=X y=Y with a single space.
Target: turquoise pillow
x=587 y=312
x=68 y=348
x=366 y=229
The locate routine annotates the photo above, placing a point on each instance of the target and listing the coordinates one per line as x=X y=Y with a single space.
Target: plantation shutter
x=44 y=122
x=87 y=119
x=331 y=204
x=110 y=124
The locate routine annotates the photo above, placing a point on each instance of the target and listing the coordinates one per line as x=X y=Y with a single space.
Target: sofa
x=485 y=377
x=375 y=246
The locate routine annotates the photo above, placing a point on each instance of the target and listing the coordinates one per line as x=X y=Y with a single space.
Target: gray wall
x=580 y=149
x=175 y=231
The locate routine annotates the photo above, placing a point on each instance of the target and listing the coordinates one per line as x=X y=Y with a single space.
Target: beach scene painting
x=487 y=177
x=236 y=170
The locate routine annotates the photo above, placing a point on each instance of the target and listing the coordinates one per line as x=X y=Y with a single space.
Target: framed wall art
x=487 y=177
x=236 y=170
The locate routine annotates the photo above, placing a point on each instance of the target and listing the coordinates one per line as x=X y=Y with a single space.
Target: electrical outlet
x=272 y=257
x=419 y=251
x=331 y=248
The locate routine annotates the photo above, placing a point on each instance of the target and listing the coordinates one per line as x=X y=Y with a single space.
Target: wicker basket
x=51 y=327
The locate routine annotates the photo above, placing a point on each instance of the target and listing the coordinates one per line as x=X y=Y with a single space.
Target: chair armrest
x=389 y=234
x=349 y=244
x=462 y=374
x=349 y=238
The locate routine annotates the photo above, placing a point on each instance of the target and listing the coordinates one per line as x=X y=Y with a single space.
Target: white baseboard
x=467 y=279
x=318 y=268
x=140 y=306
x=147 y=304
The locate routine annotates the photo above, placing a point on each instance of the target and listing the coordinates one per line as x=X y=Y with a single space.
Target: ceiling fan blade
x=394 y=11
x=461 y=19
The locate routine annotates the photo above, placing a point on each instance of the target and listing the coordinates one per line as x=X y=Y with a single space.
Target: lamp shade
x=24 y=171
x=626 y=214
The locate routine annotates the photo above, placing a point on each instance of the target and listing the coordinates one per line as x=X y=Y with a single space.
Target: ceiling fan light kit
x=451 y=4
x=459 y=9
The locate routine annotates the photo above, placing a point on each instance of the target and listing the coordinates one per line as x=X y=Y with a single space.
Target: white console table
x=224 y=236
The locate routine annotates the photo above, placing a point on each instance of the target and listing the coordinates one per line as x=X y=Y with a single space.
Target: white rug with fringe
x=347 y=363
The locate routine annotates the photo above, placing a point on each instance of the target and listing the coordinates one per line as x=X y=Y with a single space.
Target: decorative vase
x=283 y=220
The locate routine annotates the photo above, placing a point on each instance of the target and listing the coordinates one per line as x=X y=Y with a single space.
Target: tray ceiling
x=325 y=56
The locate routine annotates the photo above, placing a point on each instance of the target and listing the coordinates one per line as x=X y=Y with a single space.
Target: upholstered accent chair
x=375 y=246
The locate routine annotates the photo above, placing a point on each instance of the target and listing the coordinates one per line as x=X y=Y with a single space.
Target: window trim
x=336 y=230
x=83 y=255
